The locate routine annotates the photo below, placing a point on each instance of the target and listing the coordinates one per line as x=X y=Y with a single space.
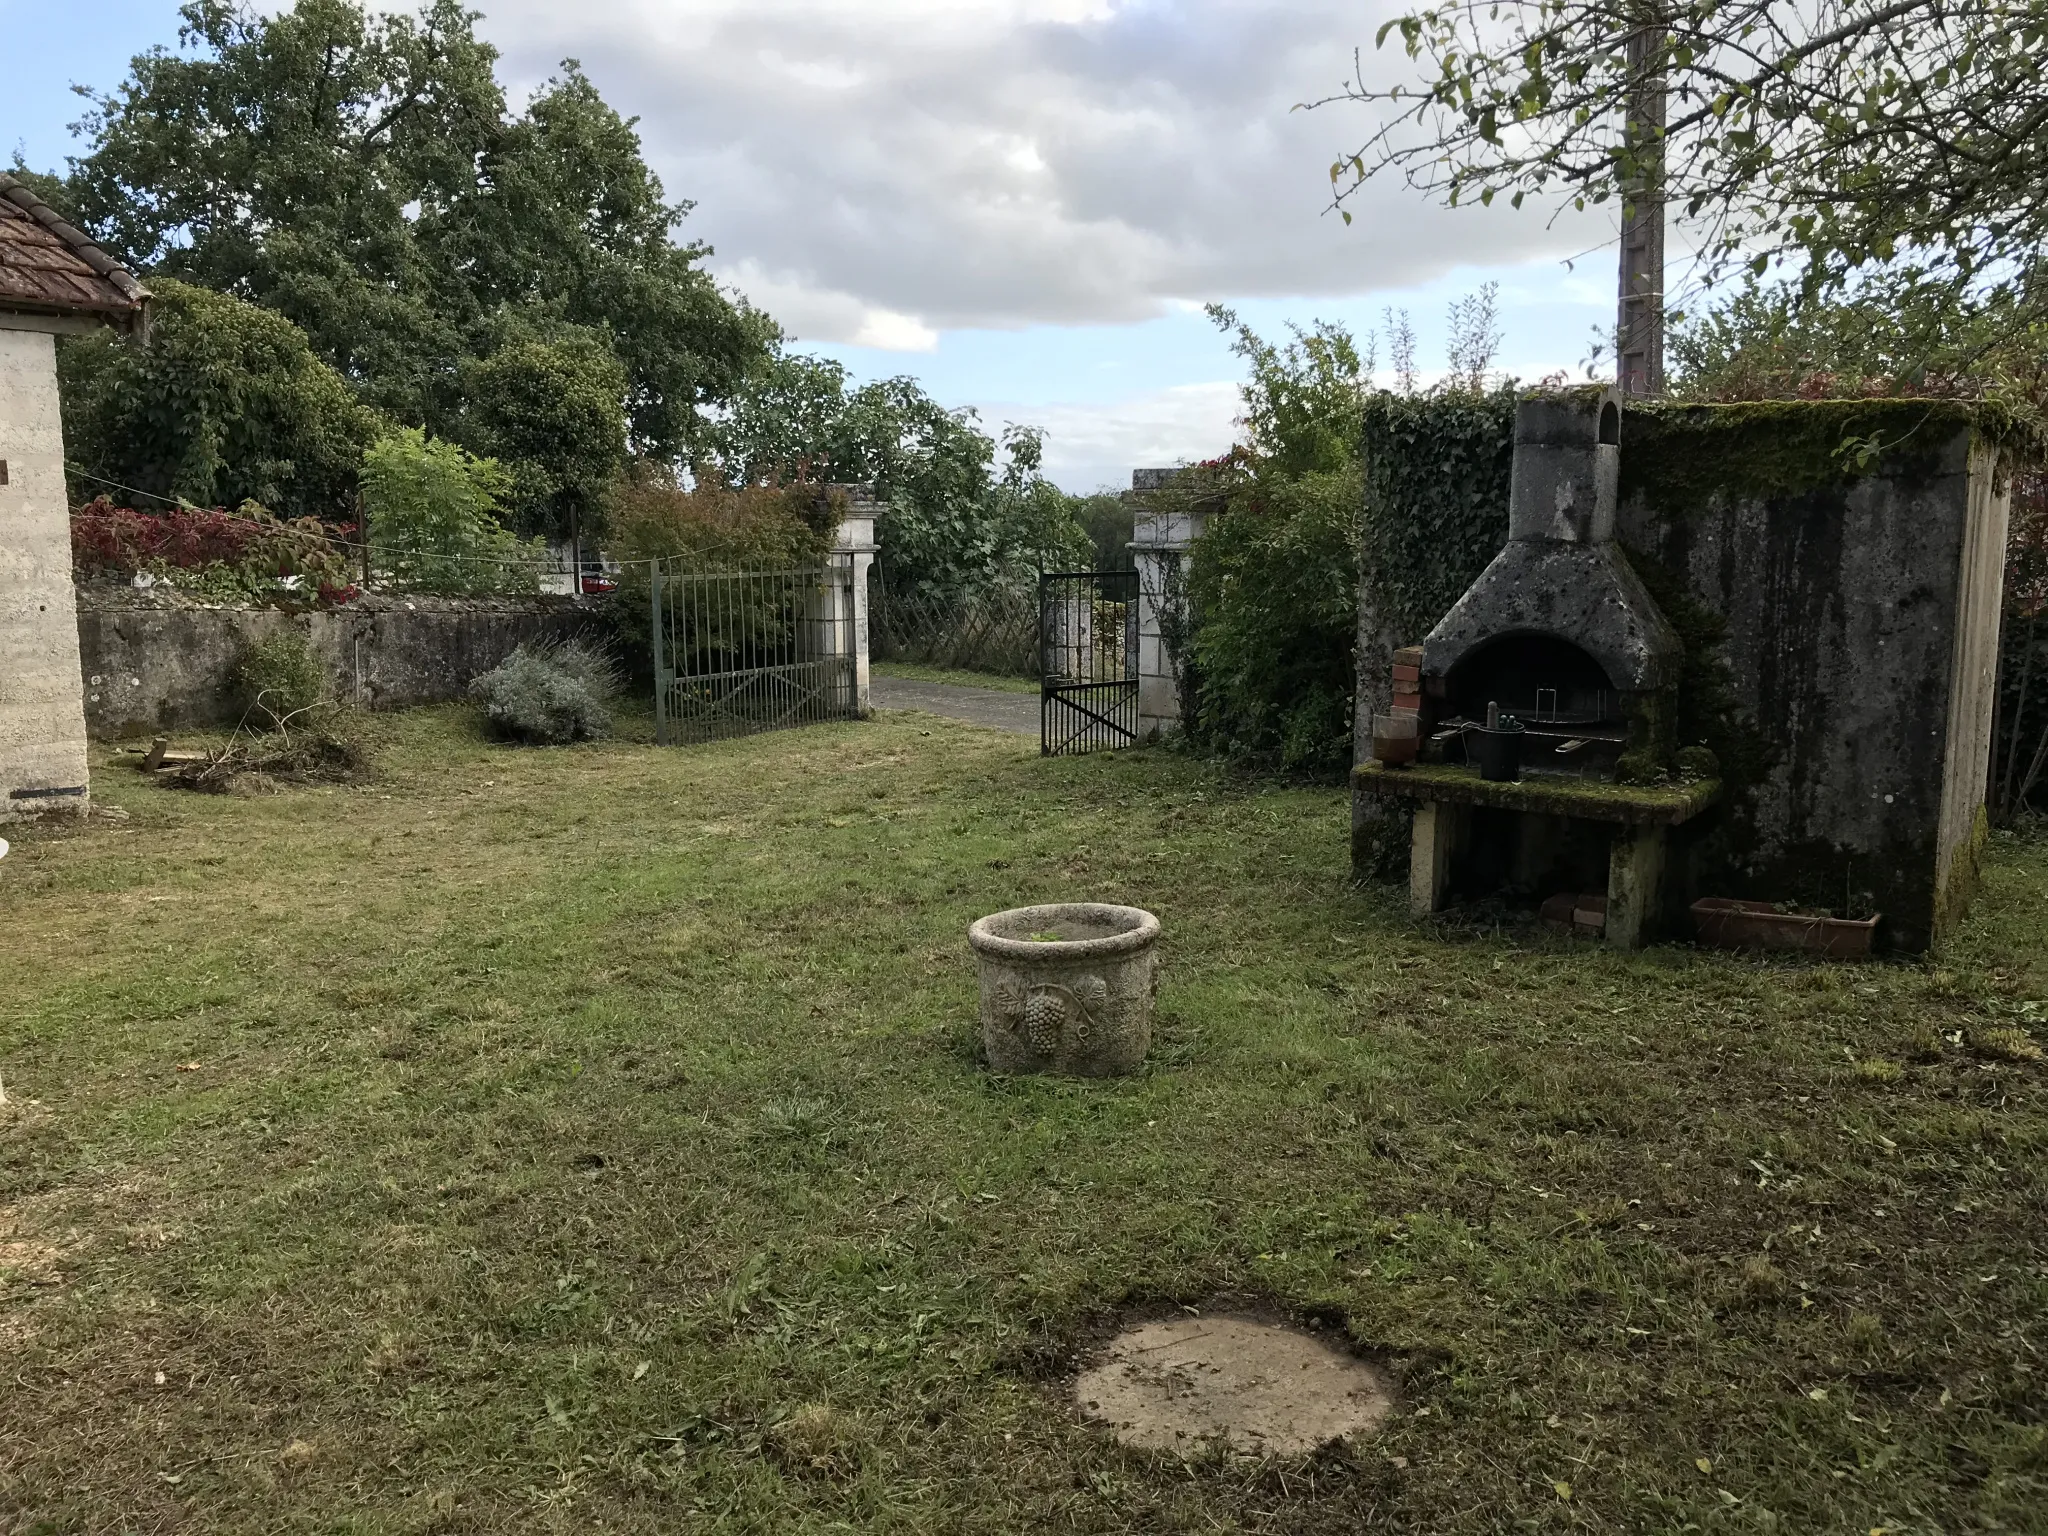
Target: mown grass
x=594 y=1138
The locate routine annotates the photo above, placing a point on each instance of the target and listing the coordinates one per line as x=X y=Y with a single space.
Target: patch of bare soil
x=1262 y=1388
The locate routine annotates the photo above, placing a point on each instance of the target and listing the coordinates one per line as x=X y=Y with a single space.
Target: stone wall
x=42 y=734
x=158 y=665
x=1842 y=644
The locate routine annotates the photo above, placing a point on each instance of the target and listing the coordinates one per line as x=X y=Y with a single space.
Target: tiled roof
x=49 y=267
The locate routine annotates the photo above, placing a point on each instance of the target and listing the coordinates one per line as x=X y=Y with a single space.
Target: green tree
x=1846 y=135
x=433 y=523
x=552 y=413
x=1274 y=581
x=1301 y=401
x=1109 y=521
x=1885 y=335
x=956 y=519
x=790 y=418
x=358 y=172
x=225 y=403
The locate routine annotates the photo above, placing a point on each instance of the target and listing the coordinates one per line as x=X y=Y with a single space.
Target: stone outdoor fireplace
x=1806 y=732
x=1559 y=636
x=1559 y=631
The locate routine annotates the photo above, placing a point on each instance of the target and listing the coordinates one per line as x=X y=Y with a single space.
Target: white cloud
x=1088 y=447
x=877 y=171
x=808 y=311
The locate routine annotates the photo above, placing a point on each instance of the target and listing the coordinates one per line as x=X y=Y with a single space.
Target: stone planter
x=1076 y=998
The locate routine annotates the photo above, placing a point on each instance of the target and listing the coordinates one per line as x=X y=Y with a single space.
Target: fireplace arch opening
x=1574 y=715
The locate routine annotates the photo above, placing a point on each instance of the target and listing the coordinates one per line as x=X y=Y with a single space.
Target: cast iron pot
x=1497 y=750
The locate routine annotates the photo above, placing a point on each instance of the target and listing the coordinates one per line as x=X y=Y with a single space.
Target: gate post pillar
x=854 y=546
x=1163 y=531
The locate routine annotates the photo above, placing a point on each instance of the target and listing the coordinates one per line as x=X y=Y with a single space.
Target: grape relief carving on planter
x=1059 y=1021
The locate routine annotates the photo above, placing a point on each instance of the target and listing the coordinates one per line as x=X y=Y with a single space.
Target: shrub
x=245 y=554
x=711 y=526
x=281 y=681
x=433 y=524
x=1272 y=588
x=224 y=402
x=1275 y=582
x=550 y=693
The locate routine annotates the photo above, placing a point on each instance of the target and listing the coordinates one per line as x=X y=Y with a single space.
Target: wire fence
x=990 y=629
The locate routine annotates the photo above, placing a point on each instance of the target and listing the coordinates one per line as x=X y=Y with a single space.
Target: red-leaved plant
x=247 y=552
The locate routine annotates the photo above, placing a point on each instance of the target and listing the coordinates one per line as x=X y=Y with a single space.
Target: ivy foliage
x=1437 y=473
x=225 y=403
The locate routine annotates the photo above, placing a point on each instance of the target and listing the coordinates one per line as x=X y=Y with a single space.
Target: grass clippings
x=595 y=1139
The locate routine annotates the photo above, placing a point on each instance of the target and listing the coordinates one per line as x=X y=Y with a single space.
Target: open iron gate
x=1087 y=661
x=742 y=651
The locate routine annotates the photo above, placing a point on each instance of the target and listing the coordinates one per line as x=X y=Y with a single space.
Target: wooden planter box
x=1733 y=924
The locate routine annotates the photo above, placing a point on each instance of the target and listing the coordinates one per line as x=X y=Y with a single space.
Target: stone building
x=53 y=281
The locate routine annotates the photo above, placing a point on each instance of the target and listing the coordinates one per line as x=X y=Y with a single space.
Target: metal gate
x=742 y=651
x=1087 y=661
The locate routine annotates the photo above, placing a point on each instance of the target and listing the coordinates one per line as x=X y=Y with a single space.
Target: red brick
x=1407 y=674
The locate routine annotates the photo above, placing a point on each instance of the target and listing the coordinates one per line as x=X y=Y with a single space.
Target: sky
x=1025 y=204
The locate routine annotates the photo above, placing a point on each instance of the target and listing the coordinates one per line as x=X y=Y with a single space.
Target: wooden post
x=1639 y=332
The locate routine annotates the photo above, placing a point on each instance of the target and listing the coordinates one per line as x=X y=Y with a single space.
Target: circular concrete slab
x=1261 y=1388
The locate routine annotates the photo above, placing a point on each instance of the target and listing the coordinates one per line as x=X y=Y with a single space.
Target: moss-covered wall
x=1812 y=555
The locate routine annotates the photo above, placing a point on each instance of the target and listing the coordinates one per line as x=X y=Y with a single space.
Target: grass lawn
x=918 y=672
x=540 y=1141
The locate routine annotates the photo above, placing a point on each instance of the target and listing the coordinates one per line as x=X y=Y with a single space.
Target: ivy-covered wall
x=1435 y=512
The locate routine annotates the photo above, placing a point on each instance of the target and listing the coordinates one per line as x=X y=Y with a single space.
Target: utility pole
x=1639 y=333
